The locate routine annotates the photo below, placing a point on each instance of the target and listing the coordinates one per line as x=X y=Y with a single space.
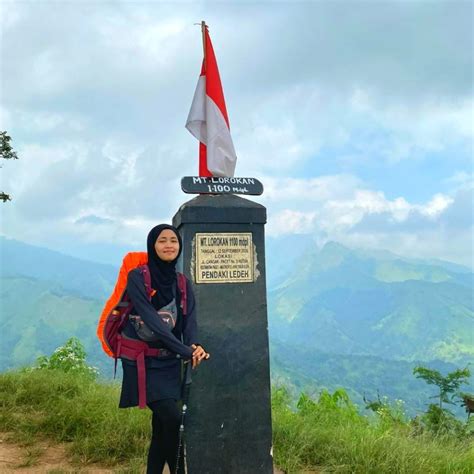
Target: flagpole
x=203 y=29
x=203 y=171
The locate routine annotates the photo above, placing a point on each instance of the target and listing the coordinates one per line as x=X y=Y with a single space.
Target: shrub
x=440 y=421
x=68 y=358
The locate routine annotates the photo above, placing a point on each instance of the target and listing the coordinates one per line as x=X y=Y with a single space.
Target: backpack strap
x=135 y=350
x=147 y=280
x=182 y=285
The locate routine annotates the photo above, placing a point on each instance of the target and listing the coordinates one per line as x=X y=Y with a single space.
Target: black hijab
x=163 y=274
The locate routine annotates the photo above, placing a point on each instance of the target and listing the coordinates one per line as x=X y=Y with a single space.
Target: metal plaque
x=224 y=257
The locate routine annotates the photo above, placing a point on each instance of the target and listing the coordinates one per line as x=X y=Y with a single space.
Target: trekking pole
x=185 y=397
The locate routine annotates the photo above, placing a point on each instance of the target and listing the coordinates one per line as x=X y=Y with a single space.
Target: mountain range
x=343 y=301
x=337 y=316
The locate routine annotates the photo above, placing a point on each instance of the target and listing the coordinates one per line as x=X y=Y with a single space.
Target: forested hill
x=80 y=277
x=47 y=297
x=342 y=301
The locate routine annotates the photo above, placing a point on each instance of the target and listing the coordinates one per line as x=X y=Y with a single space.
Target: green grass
x=328 y=434
x=331 y=435
x=70 y=407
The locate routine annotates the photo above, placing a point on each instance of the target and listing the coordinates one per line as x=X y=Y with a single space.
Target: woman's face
x=167 y=245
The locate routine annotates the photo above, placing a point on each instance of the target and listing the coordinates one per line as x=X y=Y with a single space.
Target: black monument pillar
x=229 y=416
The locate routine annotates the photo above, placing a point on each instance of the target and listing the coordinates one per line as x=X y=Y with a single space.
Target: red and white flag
x=208 y=120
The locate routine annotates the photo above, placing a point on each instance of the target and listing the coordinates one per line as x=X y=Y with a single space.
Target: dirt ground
x=46 y=458
x=41 y=458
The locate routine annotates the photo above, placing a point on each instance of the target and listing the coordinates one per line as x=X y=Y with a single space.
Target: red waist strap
x=133 y=349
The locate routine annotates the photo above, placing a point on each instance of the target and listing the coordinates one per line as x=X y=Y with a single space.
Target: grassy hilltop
x=61 y=400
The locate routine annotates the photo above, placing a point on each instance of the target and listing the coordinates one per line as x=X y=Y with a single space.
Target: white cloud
x=22 y=176
x=341 y=201
x=273 y=147
x=310 y=191
x=461 y=180
x=119 y=231
x=438 y=243
x=291 y=222
x=10 y=16
x=436 y=206
x=427 y=126
x=147 y=38
x=43 y=122
x=95 y=96
x=367 y=218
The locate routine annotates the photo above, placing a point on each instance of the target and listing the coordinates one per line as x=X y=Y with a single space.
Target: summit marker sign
x=221 y=185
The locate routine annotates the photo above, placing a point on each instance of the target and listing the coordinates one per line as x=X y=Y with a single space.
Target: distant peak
x=335 y=247
x=331 y=254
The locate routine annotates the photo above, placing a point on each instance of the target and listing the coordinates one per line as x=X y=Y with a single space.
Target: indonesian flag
x=208 y=120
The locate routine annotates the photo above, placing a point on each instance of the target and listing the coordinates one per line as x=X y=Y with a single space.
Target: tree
x=438 y=419
x=448 y=386
x=7 y=153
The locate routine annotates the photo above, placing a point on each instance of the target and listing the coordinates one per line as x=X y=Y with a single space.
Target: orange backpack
x=131 y=261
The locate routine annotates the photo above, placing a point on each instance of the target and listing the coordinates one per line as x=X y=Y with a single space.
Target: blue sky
x=356 y=116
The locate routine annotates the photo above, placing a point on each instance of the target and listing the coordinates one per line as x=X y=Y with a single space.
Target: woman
x=176 y=334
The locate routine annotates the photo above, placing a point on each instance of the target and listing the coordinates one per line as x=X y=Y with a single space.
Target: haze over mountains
x=337 y=317
x=362 y=303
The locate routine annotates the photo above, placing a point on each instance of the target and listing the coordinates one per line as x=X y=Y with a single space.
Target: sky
x=357 y=117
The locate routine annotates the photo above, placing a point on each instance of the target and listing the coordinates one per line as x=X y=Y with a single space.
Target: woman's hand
x=199 y=355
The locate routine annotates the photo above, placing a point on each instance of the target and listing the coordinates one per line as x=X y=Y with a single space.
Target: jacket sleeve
x=143 y=307
x=190 y=333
